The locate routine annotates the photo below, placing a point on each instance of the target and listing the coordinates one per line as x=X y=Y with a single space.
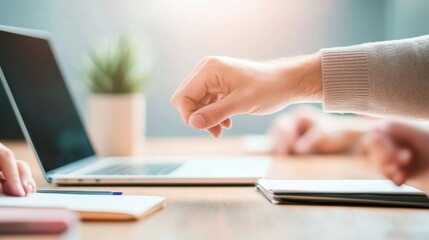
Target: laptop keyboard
x=137 y=169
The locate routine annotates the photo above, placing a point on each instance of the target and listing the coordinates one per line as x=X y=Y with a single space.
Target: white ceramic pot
x=116 y=123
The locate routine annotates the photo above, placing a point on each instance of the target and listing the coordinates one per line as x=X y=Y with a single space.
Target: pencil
x=81 y=192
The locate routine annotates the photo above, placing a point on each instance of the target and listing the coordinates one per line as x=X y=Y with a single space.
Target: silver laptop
x=53 y=127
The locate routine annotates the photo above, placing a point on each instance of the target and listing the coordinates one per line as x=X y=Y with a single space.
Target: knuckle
x=23 y=163
x=15 y=175
x=204 y=60
x=216 y=113
x=6 y=153
x=173 y=100
x=212 y=61
x=178 y=100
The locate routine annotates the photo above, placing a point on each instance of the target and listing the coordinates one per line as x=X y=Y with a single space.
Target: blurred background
x=176 y=34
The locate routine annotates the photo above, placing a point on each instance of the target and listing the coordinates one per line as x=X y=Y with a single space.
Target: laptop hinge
x=72 y=166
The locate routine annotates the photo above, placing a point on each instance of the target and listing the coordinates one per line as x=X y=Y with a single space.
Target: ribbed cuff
x=345 y=80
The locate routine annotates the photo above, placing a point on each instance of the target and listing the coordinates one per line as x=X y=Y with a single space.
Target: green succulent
x=114 y=71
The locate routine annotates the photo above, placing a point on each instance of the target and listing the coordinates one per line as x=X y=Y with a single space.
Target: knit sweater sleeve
x=384 y=78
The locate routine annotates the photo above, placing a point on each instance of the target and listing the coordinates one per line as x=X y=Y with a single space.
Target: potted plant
x=117 y=106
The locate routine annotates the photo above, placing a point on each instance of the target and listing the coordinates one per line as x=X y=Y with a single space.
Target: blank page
x=336 y=186
x=94 y=207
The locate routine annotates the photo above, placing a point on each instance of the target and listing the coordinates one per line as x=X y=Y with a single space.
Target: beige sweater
x=383 y=78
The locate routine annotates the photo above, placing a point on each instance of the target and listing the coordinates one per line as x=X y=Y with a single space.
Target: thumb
x=213 y=114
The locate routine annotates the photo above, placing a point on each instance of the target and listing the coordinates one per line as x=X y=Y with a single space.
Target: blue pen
x=82 y=192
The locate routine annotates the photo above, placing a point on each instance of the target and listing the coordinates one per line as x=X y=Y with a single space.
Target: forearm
x=384 y=78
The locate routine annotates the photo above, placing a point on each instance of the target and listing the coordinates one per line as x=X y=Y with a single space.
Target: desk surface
x=242 y=212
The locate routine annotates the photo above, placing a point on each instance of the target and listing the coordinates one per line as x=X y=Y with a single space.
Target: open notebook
x=91 y=207
x=342 y=192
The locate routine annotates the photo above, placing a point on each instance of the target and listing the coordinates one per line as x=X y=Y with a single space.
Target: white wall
x=182 y=32
x=407 y=18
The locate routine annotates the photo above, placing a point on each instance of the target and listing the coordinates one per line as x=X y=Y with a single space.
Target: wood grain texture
x=242 y=212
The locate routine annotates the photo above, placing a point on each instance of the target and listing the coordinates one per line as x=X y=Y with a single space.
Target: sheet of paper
x=336 y=186
x=124 y=204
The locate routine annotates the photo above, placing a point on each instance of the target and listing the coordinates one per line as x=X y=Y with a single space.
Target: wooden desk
x=242 y=212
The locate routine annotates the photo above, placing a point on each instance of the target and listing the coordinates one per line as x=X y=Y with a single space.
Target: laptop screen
x=43 y=100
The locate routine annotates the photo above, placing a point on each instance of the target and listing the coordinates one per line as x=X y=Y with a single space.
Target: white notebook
x=91 y=207
x=336 y=186
x=342 y=192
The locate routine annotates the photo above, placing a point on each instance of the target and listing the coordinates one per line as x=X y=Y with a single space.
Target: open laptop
x=53 y=127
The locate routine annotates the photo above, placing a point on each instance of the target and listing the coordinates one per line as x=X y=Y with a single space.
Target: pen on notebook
x=82 y=192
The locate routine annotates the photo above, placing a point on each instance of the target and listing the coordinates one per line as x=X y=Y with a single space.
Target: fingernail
x=397 y=178
x=197 y=121
x=29 y=188
x=21 y=190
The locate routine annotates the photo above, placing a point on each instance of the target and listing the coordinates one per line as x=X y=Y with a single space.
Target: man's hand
x=306 y=130
x=221 y=87
x=19 y=181
x=400 y=152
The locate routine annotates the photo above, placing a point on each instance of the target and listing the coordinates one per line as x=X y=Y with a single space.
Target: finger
x=185 y=106
x=395 y=174
x=214 y=113
x=399 y=156
x=215 y=131
x=26 y=177
x=403 y=158
x=395 y=169
x=373 y=146
x=399 y=178
x=381 y=150
x=227 y=123
x=190 y=76
x=8 y=166
x=285 y=132
x=195 y=88
x=2 y=181
x=390 y=170
x=193 y=105
x=305 y=118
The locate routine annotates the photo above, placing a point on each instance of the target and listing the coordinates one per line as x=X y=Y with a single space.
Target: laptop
x=52 y=126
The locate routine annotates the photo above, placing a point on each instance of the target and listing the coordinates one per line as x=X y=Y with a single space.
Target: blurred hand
x=306 y=130
x=19 y=181
x=221 y=87
x=400 y=152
